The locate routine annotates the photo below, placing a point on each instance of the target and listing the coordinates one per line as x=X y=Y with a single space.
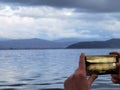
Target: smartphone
x=102 y=64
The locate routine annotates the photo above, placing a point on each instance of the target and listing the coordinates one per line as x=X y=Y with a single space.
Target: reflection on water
x=43 y=69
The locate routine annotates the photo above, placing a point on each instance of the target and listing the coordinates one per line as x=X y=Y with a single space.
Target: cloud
x=115 y=26
x=50 y=23
x=53 y=23
x=43 y=12
x=79 y=5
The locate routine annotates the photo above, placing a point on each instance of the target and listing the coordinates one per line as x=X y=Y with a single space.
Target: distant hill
x=29 y=44
x=68 y=41
x=77 y=40
x=36 y=43
x=112 y=43
x=3 y=39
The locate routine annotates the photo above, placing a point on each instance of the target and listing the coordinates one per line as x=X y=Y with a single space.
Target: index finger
x=82 y=62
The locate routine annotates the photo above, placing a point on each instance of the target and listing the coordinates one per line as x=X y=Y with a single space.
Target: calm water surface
x=45 y=69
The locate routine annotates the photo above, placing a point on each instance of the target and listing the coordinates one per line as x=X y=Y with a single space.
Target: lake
x=46 y=69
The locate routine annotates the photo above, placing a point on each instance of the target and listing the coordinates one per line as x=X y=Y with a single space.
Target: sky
x=55 y=19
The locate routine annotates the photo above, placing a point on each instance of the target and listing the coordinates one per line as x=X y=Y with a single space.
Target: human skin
x=116 y=77
x=79 y=80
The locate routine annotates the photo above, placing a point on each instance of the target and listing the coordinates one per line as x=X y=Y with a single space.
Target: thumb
x=91 y=80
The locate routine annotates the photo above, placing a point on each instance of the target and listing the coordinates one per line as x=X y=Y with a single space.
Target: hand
x=116 y=77
x=79 y=81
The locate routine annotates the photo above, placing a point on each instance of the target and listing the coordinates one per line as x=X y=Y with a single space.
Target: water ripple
x=15 y=85
x=52 y=89
x=49 y=83
x=26 y=79
x=8 y=89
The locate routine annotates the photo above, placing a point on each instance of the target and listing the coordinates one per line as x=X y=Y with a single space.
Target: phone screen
x=101 y=64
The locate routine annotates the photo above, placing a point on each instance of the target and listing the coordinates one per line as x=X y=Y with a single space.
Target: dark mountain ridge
x=112 y=43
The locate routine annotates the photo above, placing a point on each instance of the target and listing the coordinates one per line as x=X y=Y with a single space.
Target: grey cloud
x=80 y=5
x=91 y=17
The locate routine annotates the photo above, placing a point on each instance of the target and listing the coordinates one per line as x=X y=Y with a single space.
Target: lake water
x=45 y=69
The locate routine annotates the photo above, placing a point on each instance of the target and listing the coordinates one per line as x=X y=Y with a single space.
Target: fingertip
x=115 y=53
x=82 y=55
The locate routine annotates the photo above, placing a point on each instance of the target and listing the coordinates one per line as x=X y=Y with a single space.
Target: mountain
x=77 y=39
x=59 y=44
x=112 y=43
x=3 y=39
x=68 y=41
x=29 y=44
